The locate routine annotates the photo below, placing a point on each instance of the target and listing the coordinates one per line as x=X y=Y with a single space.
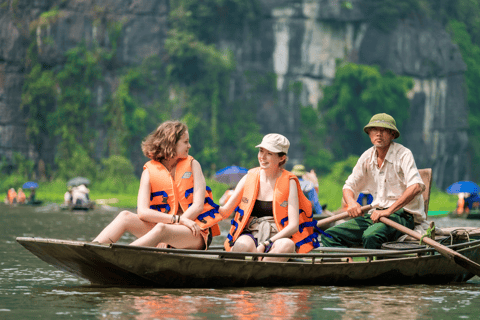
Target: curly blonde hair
x=161 y=143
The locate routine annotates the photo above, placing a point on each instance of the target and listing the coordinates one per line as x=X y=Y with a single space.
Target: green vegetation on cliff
x=471 y=56
x=191 y=82
x=333 y=130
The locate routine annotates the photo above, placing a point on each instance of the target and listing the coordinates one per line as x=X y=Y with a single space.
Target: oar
x=448 y=253
x=339 y=216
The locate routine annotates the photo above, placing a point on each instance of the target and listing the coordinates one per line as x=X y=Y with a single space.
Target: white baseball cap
x=275 y=142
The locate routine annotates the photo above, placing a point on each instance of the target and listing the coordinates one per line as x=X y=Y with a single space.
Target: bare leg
x=126 y=221
x=178 y=236
x=283 y=245
x=244 y=244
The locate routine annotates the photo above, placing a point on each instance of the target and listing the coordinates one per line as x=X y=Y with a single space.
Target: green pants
x=361 y=231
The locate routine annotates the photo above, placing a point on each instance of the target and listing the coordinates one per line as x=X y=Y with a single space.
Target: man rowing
x=388 y=172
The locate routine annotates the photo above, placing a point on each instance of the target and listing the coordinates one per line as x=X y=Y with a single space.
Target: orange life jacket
x=12 y=195
x=166 y=193
x=21 y=197
x=460 y=205
x=305 y=239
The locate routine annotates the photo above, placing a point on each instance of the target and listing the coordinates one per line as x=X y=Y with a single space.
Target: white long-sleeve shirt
x=387 y=183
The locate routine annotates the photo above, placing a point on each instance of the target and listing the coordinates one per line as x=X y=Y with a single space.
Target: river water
x=32 y=289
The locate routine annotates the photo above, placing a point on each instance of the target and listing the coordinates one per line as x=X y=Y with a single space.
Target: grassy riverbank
x=53 y=192
x=330 y=193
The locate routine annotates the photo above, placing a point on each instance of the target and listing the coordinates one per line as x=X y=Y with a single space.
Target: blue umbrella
x=30 y=184
x=463 y=186
x=230 y=175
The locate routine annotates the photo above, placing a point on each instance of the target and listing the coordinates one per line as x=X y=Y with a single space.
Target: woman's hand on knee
x=192 y=225
x=261 y=249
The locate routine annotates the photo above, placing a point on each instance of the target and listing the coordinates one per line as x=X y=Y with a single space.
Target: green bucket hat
x=299 y=170
x=383 y=120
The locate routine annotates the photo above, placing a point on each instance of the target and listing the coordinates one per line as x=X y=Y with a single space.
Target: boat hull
x=122 y=265
x=77 y=207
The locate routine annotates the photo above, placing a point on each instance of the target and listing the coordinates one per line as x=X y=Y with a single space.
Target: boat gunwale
x=346 y=252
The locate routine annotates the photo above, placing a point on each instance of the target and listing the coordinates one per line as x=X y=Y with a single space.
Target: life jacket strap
x=210 y=213
x=303 y=211
x=230 y=240
x=318 y=231
x=190 y=191
x=307 y=224
x=282 y=222
x=311 y=238
x=159 y=207
x=158 y=193
x=237 y=209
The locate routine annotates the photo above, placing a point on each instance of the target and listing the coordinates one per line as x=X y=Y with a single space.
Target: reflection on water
x=30 y=288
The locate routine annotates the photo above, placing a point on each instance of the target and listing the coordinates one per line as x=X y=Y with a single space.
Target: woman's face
x=183 y=145
x=268 y=159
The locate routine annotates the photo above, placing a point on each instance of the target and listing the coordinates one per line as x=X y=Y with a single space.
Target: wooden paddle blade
x=339 y=216
x=448 y=253
x=468 y=264
x=453 y=255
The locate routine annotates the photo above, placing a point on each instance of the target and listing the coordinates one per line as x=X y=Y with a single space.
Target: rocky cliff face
x=298 y=40
x=302 y=40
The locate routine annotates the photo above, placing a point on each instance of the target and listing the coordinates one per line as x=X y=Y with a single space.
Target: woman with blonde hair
x=171 y=197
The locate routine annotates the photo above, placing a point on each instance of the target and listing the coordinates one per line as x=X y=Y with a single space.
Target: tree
x=358 y=92
x=471 y=56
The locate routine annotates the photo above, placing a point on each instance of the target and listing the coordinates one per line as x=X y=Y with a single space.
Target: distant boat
x=78 y=206
x=472 y=215
x=34 y=203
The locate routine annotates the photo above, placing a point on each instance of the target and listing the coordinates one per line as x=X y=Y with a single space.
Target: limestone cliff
x=298 y=40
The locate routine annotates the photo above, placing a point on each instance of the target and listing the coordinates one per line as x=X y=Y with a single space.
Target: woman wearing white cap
x=267 y=202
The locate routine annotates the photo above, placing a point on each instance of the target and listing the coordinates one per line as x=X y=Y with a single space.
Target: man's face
x=381 y=137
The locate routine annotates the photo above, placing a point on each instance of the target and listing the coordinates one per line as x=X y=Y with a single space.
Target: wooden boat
x=78 y=206
x=34 y=203
x=124 y=265
x=28 y=203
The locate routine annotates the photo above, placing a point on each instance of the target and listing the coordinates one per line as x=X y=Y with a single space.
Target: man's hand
x=376 y=214
x=354 y=209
